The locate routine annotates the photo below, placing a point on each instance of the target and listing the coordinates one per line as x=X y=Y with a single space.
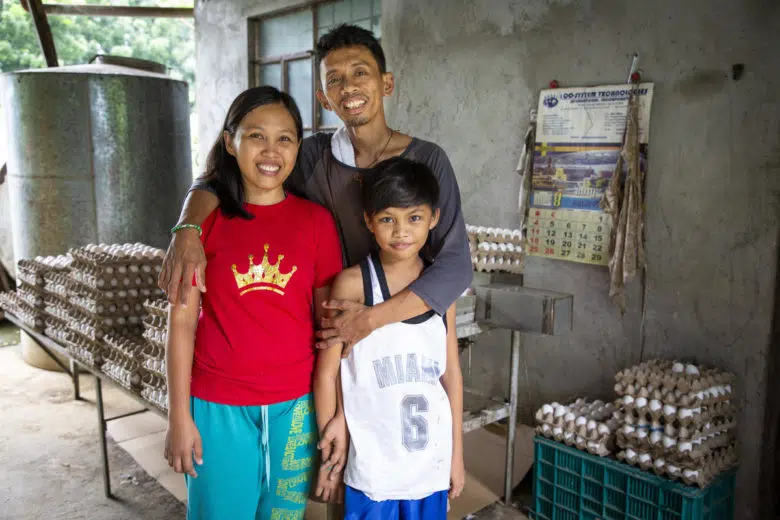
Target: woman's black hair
x=222 y=173
x=399 y=183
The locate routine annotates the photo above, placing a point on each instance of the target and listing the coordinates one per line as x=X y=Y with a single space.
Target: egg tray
x=96 y=330
x=155 y=321
x=85 y=257
x=57 y=307
x=589 y=426
x=157 y=307
x=684 y=454
x=665 y=395
x=690 y=418
x=29 y=316
x=124 y=371
x=126 y=346
x=98 y=280
x=30 y=294
x=56 y=283
x=59 y=334
x=156 y=396
x=700 y=474
x=87 y=352
x=32 y=271
x=672 y=375
x=720 y=424
x=600 y=447
x=597 y=410
x=507 y=263
x=53 y=323
x=153 y=351
x=156 y=337
x=487 y=234
x=155 y=365
x=154 y=380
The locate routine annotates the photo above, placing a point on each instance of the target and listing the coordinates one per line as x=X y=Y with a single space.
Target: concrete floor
x=50 y=442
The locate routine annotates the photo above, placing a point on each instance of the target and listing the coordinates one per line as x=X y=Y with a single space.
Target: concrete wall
x=467 y=74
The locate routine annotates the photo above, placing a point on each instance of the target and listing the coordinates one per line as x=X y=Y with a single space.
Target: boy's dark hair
x=222 y=173
x=399 y=183
x=350 y=36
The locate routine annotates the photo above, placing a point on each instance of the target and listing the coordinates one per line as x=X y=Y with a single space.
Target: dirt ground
x=50 y=465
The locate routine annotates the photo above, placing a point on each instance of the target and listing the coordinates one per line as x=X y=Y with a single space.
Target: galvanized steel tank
x=96 y=153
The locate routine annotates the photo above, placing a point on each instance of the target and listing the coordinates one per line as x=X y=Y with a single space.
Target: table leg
x=74 y=373
x=514 y=374
x=103 y=442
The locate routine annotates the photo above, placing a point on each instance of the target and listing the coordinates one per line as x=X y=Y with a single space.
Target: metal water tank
x=96 y=153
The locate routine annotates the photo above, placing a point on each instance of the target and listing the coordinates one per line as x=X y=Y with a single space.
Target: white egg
x=656 y=437
x=691 y=370
x=691 y=473
x=655 y=405
x=670 y=410
x=641 y=402
x=580 y=421
x=645 y=458
x=678 y=368
x=627 y=400
x=669 y=442
x=685 y=447
x=547 y=409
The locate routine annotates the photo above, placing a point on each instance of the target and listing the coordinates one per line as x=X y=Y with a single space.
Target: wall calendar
x=579 y=134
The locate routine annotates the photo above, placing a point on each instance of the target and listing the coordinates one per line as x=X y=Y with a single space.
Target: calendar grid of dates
x=577 y=235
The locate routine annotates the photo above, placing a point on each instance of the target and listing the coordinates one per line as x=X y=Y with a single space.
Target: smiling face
x=402 y=232
x=353 y=86
x=265 y=146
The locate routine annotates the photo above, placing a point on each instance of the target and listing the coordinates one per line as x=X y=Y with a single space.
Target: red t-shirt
x=255 y=339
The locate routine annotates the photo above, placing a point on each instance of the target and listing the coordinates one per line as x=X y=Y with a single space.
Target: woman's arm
x=452 y=381
x=183 y=443
x=185 y=257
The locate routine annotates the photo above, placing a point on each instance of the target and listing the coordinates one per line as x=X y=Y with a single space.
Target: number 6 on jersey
x=415 y=426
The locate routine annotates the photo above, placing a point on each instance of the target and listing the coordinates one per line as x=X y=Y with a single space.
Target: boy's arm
x=452 y=381
x=185 y=257
x=440 y=284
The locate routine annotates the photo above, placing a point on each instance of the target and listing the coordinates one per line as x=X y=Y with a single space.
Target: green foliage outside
x=169 y=41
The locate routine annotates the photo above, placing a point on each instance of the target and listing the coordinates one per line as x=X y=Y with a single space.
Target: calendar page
x=578 y=141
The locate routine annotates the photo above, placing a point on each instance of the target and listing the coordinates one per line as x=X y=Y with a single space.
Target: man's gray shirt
x=320 y=178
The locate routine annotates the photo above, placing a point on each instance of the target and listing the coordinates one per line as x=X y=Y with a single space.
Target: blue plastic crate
x=570 y=484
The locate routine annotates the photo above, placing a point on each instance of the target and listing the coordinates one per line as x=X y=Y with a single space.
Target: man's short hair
x=350 y=36
x=399 y=183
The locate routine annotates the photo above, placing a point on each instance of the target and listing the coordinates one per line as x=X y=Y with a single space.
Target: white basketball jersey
x=397 y=411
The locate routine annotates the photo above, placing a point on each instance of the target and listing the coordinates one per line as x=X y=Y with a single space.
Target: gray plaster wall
x=467 y=74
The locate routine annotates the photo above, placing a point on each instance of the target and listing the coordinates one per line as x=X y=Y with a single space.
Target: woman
x=241 y=417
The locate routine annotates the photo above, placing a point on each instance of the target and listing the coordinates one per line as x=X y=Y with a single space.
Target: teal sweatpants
x=258 y=461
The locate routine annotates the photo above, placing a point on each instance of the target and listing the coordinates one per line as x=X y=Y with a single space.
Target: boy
x=402 y=385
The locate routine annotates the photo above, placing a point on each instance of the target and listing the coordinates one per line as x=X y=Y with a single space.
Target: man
x=354 y=82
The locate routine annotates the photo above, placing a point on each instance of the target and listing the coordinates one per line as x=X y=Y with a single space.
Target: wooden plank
x=118 y=10
x=45 y=38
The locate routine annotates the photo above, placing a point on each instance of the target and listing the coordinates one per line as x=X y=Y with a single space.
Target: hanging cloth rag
x=623 y=202
x=525 y=168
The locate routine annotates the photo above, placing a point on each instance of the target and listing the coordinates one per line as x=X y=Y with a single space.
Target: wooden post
x=43 y=30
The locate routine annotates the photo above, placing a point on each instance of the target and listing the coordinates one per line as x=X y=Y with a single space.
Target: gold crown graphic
x=263 y=277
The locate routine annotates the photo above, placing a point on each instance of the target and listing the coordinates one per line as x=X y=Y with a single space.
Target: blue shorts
x=257 y=461
x=357 y=506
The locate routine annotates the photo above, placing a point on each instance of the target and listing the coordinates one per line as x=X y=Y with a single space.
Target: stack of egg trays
x=30 y=292
x=122 y=363
x=678 y=420
x=110 y=290
x=154 y=384
x=11 y=303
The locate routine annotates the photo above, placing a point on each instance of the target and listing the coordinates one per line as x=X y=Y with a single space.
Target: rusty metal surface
x=96 y=153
